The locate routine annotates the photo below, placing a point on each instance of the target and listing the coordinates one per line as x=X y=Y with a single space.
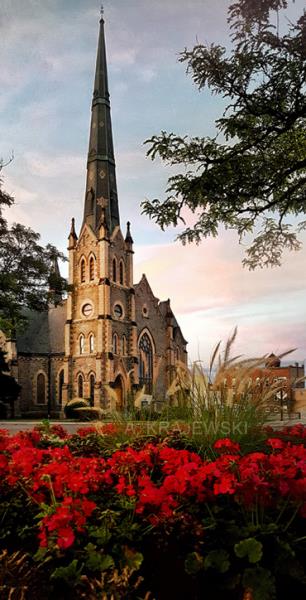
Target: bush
x=100 y=518
x=88 y=413
x=72 y=405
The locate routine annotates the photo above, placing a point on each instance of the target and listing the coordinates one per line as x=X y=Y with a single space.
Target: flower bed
x=86 y=517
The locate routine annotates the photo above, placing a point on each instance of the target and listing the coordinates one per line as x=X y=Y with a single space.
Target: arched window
x=82 y=343
x=146 y=363
x=91 y=268
x=92 y=381
x=41 y=388
x=121 y=273
x=80 y=385
x=124 y=346
x=91 y=343
x=114 y=269
x=83 y=268
x=60 y=386
x=115 y=343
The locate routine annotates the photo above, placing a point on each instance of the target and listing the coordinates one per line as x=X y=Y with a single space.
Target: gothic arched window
x=92 y=381
x=82 y=343
x=91 y=268
x=124 y=345
x=80 y=385
x=83 y=270
x=41 y=388
x=114 y=269
x=61 y=379
x=91 y=343
x=121 y=273
x=146 y=363
x=115 y=343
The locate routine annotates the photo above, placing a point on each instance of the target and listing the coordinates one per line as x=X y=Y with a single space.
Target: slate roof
x=44 y=333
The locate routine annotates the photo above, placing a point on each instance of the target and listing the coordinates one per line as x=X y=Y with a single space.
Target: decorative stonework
x=103 y=202
x=91 y=305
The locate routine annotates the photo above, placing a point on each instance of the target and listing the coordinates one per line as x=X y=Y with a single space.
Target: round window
x=118 y=312
x=145 y=311
x=87 y=310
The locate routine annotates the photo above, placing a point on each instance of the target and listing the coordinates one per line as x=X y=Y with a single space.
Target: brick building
x=108 y=330
x=288 y=381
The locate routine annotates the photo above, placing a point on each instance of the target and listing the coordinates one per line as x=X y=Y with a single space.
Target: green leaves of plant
x=261 y=582
x=133 y=559
x=194 y=563
x=70 y=574
x=96 y=561
x=250 y=548
x=216 y=559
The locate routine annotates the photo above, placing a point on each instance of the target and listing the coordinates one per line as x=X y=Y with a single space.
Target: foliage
x=9 y=388
x=232 y=398
x=28 y=277
x=114 y=524
x=250 y=177
x=72 y=405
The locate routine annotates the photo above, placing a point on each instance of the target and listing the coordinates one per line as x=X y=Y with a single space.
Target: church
x=108 y=332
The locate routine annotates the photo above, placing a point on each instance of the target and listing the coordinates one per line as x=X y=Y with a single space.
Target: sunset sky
x=48 y=50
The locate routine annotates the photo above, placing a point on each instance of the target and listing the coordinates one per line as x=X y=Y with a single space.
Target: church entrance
x=119 y=391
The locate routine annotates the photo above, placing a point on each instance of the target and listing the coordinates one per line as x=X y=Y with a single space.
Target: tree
x=250 y=177
x=9 y=388
x=28 y=279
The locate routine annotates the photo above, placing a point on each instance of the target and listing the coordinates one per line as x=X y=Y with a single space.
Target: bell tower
x=100 y=332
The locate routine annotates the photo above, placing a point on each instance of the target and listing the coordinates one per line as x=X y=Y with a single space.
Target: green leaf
x=194 y=563
x=261 y=582
x=250 y=548
x=99 y=562
x=101 y=535
x=107 y=562
x=70 y=574
x=133 y=559
x=218 y=560
x=40 y=554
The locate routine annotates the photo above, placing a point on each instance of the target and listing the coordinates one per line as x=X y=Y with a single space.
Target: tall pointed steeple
x=101 y=186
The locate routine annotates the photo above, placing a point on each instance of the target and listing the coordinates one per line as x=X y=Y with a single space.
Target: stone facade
x=108 y=333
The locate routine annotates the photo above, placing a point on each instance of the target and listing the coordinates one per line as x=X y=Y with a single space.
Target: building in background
x=108 y=332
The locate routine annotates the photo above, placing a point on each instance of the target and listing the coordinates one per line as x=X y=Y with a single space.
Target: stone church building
x=108 y=330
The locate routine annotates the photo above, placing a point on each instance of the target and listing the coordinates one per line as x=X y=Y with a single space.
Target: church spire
x=101 y=187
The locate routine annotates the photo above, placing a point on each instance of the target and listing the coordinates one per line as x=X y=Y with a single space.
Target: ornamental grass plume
x=233 y=395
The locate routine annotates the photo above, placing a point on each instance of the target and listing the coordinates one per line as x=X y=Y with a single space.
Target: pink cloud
x=211 y=293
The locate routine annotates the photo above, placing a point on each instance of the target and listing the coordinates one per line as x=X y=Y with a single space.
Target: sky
x=48 y=51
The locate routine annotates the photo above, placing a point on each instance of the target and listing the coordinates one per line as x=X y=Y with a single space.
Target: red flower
x=65 y=538
x=226 y=445
x=275 y=443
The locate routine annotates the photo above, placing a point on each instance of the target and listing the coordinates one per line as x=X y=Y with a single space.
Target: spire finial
x=72 y=229
x=128 y=237
x=101 y=11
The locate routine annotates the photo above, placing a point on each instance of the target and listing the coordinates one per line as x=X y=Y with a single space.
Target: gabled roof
x=163 y=307
x=44 y=333
x=167 y=312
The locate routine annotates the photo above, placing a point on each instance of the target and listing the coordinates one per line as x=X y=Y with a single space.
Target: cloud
x=211 y=293
x=53 y=166
x=123 y=57
x=147 y=74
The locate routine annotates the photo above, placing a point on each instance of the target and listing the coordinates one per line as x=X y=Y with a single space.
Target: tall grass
x=228 y=399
